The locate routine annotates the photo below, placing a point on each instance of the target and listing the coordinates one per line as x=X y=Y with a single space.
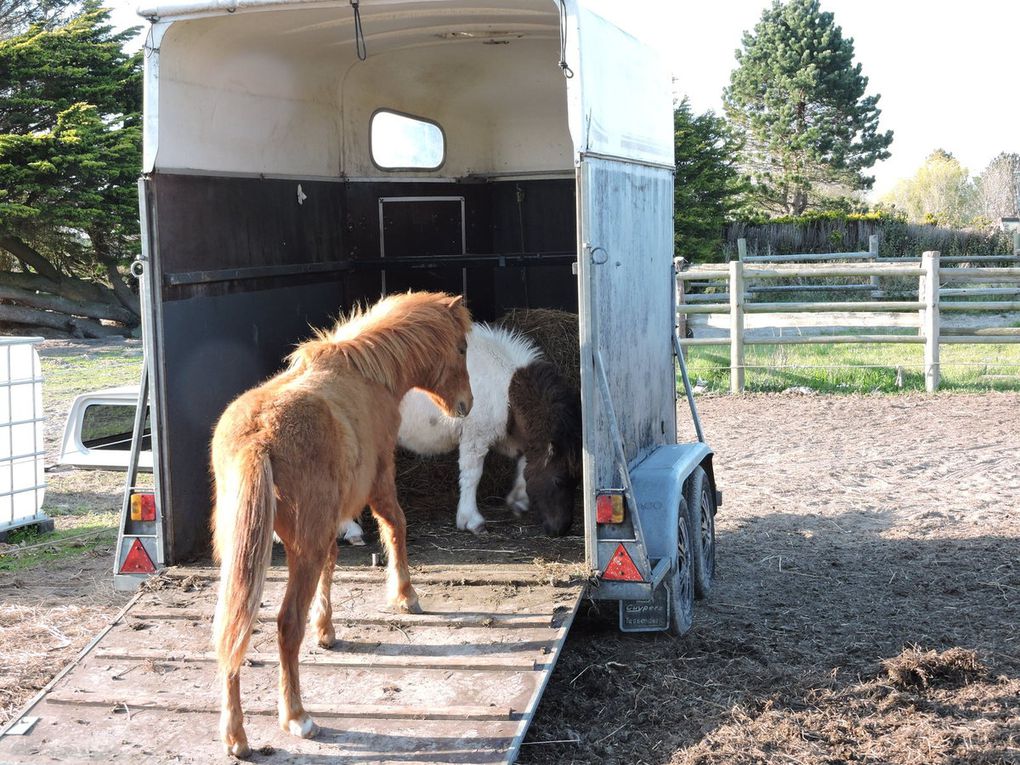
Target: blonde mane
x=374 y=341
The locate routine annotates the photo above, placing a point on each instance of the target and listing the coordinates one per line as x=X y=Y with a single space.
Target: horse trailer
x=303 y=156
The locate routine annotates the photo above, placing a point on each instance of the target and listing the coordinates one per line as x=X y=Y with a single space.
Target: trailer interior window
x=404 y=142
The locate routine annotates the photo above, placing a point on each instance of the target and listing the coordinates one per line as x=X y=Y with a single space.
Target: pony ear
x=454 y=301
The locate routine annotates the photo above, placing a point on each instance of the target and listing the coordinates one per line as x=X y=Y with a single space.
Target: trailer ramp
x=457 y=684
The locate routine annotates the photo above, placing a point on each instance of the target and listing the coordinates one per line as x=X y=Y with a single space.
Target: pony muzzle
x=463 y=408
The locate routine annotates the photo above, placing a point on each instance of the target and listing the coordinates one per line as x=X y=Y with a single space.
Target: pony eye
x=463 y=350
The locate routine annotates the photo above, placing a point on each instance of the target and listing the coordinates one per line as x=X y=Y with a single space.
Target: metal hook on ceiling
x=359 y=33
x=567 y=71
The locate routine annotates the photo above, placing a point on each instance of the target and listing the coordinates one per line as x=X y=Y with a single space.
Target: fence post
x=930 y=327
x=741 y=249
x=736 y=326
x=876 y=284
x=1016 y=243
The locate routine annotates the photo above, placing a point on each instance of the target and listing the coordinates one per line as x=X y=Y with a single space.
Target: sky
x=948 y=71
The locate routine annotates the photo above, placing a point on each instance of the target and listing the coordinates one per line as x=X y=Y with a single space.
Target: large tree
x=997 y=189
x=17 y=15
x=799 y=99
x=70 y=153
x=939 y=193
x=708 y=185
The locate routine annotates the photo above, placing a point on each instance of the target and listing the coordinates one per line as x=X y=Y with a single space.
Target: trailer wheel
x=682 y=582
x=701 y=515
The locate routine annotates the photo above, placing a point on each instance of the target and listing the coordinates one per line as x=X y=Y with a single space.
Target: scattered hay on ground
x=916 y=668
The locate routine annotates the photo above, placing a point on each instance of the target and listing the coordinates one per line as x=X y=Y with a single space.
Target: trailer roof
x=266 y=72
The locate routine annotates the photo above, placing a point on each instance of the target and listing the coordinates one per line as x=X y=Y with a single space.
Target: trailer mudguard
x=658 y=482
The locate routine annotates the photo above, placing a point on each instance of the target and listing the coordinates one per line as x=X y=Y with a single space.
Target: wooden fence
x=931 y=271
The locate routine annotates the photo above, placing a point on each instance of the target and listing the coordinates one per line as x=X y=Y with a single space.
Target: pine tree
x=799 y=99
x=708 y=185
x=70 y=155
x=18 y=15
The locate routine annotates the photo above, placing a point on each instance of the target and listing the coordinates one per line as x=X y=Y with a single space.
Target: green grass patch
x=68 y=375
x=27 y=547
x=858 y=368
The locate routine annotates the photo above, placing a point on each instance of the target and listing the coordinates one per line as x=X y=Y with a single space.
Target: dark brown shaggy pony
x=545 y=426
x=305 y=452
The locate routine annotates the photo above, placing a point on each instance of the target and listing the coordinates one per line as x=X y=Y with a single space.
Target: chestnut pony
x=302 y=454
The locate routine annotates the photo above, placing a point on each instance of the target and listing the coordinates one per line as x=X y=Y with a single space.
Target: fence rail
x=928 y=305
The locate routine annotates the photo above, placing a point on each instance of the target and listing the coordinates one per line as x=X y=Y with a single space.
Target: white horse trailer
x=304 y=155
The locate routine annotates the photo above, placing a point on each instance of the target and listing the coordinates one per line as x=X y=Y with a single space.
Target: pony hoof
x=478 y=530
x=519 y=507
x=356 y=541
x=239 y=749
x=304 y=727
x=406 y=606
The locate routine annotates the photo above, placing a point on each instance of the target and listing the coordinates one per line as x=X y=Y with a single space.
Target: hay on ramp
x=556 y=335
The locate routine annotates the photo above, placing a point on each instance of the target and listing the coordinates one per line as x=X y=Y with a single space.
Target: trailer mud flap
x=646 y=615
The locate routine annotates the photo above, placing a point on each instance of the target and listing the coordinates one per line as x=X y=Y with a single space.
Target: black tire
x=701 y=519
x=681 y=582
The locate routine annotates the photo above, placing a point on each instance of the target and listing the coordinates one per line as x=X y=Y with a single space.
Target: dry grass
x=47 y=614
x=556 y=335
x=916 y=668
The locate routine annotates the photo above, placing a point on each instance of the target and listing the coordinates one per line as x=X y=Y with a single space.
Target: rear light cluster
x=143 y=507
x=609 y=508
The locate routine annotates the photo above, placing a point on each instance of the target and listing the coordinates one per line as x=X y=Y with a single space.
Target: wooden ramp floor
x=457 y=684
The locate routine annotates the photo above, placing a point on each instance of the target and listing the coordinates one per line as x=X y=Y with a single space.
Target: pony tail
x=245 y=513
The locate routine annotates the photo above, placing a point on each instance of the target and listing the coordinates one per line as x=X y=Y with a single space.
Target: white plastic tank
x=22 y=451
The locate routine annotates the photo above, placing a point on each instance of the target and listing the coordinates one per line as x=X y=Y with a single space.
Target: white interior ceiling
x=280 y=90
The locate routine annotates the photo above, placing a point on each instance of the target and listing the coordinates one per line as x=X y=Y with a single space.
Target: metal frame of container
x=13 y=457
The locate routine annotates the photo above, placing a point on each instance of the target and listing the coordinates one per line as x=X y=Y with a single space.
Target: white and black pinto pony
x=523 y=408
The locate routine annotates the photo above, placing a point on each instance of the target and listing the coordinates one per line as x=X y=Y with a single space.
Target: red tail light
x=609 y=508
x=143 y=507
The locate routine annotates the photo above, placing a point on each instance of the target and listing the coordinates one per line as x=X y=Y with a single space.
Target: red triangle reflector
x=137 y=560
x=621 y=567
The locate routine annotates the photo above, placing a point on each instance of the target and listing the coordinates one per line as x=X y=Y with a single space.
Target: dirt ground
x=853 y=529
x=860 y=540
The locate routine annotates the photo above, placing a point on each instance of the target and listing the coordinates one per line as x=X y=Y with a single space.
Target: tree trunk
x=30 y=257
x=54 y=300
x=47 y=302
x=123 y=292
x=121 y=289
x=51 y=280
x=75 y=326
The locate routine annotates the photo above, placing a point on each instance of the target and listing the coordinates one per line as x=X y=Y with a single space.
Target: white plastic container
x=22 y=451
